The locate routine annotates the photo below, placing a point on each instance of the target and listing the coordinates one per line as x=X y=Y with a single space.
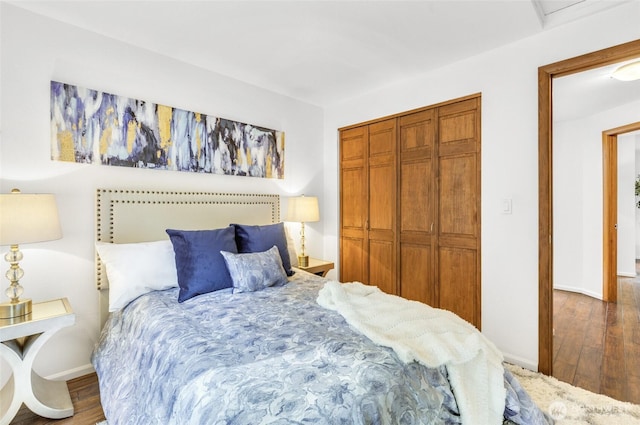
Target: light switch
x=506 y=206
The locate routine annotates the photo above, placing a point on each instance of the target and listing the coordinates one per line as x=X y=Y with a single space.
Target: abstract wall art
x=90 y=126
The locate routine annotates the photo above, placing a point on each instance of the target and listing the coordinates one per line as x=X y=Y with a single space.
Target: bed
x=277 y=346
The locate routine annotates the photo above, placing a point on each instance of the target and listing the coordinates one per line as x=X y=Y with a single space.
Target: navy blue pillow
x=260 y=238
x=201 y=268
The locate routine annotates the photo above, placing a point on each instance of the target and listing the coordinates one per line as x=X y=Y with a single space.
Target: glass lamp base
x=15 y=310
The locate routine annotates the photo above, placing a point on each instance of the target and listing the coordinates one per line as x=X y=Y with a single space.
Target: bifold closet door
x=368 y=246
x=459 y=209
x=354 y=253
x=417 y=202
x=410 y=205
x=382 y=206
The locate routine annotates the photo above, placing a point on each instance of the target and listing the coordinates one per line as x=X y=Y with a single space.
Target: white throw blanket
x=431 y=336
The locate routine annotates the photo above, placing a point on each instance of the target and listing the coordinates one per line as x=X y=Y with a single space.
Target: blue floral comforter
x=268 y=357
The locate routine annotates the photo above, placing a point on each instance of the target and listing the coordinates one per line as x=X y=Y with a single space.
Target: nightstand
x=20 y=343
x=319 y=267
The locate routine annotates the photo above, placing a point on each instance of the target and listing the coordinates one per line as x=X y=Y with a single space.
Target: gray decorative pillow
x=255 y=271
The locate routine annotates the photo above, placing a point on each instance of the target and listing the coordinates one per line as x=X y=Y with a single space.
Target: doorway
x=610 y=211
x=545 y=190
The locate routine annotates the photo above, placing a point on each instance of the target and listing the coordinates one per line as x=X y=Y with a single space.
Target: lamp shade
x=303 y=209
x=28 y=218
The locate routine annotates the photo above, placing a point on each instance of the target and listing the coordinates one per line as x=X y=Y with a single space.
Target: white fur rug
x=570 y=405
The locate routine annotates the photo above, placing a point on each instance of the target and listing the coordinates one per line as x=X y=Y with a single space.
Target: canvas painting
x=91 y=126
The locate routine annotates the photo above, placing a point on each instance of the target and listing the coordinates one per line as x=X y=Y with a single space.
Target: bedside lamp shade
x=28 y=218
x=303 y=209
x=24 y=218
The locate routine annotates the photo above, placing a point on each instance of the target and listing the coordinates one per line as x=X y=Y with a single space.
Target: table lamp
x=24 y=218
x=303 y=209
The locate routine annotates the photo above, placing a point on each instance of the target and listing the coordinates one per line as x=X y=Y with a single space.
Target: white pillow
x=134 y=269
x=291 y=247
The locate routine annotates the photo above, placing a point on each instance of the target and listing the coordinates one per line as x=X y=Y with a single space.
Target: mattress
x=273 y=356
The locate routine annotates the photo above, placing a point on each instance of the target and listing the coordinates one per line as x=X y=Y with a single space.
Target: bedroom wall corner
x=36 y=50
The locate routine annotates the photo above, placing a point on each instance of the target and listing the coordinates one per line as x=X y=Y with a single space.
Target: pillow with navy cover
x=250 y=238
x=255 y=271
x=200 y=266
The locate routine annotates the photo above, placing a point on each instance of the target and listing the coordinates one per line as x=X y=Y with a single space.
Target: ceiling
x=318 y=51
x=582 y=94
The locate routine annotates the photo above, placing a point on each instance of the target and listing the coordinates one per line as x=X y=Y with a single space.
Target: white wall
x=568 y=171
x=36 y=50
x=577 y=199
x=507 y=79
x=627 y=203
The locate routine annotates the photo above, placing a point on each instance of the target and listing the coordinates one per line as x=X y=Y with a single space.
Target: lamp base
x=18 y=310
x=303 y=260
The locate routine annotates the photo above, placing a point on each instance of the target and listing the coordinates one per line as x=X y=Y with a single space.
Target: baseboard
x=579 y=291
x=525 y=363
x=72 y=373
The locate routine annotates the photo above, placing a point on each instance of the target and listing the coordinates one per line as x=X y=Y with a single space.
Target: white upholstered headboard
x=125 y=216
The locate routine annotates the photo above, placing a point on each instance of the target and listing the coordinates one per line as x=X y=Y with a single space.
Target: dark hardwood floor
x=597 y=344
x=85 y=396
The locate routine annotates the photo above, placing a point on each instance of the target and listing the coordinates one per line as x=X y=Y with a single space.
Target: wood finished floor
x=85 y=396
x=597 y=344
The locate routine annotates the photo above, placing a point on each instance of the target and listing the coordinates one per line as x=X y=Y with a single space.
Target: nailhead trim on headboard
x=108 y=199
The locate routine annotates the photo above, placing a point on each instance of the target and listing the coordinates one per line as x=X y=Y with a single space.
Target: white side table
x=19 y=346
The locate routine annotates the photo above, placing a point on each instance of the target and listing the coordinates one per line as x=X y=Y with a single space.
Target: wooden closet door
x=410 y=205
x=354 y=255
x=459 y=209
x=382 y=206
x=417 y=207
